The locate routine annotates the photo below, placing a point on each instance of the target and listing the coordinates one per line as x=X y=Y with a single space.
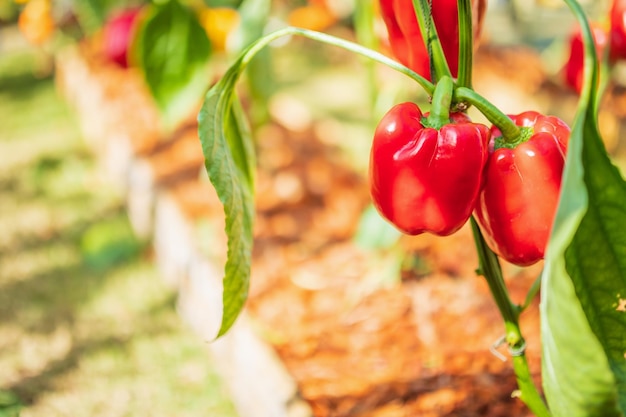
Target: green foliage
x=10 y=405
x=8 y=11
x=222 y=3
x=92 y=14
x=584 y=367
x=230 y=162
x=109 y=243
x=596 y=257
x=172 y=51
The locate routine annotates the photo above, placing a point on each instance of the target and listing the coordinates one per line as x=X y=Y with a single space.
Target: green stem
x=438 y=63
x=466 y=44
x=254 y=48
x=510 y=131
x=442 y=98
x=528 y=392
x=532 y=292
x=489 y=267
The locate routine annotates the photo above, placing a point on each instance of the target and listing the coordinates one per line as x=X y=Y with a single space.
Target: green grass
x=87 y=326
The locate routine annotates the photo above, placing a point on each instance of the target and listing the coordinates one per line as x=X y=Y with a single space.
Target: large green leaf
x=229 y=159
x=584 y=279
x=230 y=162
x=172 y=50
x=596 y=258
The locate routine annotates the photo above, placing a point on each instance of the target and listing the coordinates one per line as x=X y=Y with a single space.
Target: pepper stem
x=511 y=133
x=489 y=267
x=442 y=99
x=466 y=40
x=438 y=63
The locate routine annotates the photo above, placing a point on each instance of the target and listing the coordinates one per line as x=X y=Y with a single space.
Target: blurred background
x=111 y=242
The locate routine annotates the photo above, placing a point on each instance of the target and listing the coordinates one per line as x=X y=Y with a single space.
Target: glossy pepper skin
x=521 y=188
x=405 y=38
x=423 y=179
x=618 y=30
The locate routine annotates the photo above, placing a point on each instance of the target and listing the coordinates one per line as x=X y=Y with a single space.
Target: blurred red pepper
x=405 y=38
x=618 y=29
x=118 y=35
x=425 y=179
x=521 y=188
x=574 y=67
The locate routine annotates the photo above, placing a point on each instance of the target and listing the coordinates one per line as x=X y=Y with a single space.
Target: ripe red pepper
x=405 y=38
x=574 y=67
x=118 y=35
x=618 y=30
x=518 y=201
x=424 y=179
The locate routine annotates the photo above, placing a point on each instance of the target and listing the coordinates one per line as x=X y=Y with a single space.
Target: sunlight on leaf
x=584 y=367
x=172 y=50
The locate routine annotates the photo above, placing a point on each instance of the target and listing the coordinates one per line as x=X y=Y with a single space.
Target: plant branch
x=253 y=49
x=438 y=63
x=489 y=267
x=466 y=43
x=510 y=131
x=442 y=98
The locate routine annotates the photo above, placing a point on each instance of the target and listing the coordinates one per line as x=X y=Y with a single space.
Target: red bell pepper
x=405 y=38
x=118 y=35
x=425 y=179
x=618 y=30
x=573 y=70
x=518 y=201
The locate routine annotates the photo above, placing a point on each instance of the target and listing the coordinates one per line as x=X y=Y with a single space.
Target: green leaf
x=584 y=279
x=222 y=3
x=90 y=14
x=229 y=158
x=596 y=257
x=172 y=51
x=10 y=404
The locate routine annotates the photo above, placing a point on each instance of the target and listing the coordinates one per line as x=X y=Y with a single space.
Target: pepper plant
x=530 y=186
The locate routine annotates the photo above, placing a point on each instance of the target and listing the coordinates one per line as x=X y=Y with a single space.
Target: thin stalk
x=528 y=392
x=438 y=63
x=254 y=48
x=466 y=43
x=532 y=293
x=510 y=131
x=489 y=267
